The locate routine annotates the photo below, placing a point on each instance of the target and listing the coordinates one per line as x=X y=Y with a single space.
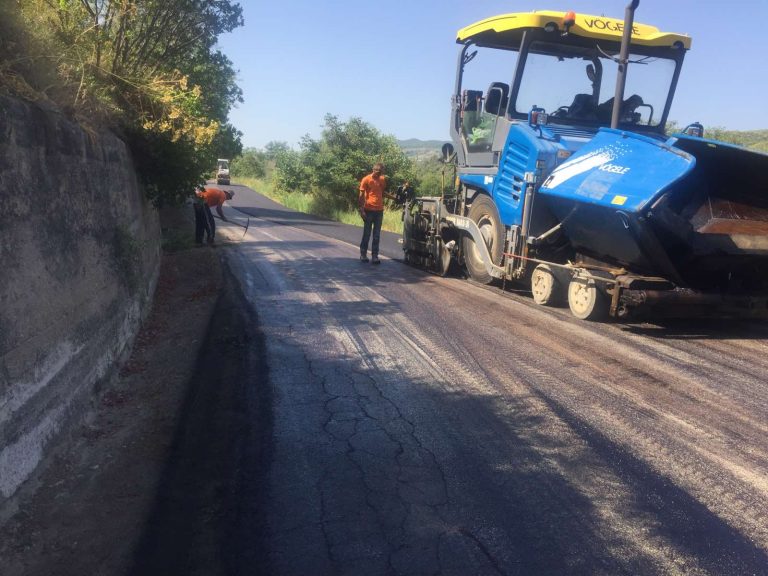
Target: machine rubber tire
x=407 y=254
x=546 y=288
x=586 y=300
x=483 y=213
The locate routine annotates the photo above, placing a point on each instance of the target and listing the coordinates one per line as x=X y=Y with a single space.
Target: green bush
x=291 y=172
x=252 y=163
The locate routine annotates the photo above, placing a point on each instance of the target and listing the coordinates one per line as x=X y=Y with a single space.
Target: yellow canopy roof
x=507 y=29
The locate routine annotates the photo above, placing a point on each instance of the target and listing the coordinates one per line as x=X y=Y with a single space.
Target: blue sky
x=393 y=63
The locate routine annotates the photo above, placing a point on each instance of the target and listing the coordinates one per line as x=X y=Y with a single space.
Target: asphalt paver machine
x=565 y=179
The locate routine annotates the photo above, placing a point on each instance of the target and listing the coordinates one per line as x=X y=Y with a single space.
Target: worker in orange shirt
x=204 y=222
x=373 y=190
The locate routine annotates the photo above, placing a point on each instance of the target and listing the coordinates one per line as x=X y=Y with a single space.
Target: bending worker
x=373 y=190
x=204 y=222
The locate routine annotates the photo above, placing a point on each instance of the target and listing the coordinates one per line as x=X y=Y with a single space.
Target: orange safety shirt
x=214 y=197
x=372 y=190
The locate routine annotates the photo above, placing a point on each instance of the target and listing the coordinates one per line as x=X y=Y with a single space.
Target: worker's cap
x=229 y=194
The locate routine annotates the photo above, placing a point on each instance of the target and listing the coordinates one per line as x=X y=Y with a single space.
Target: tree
x=273 y=149
x=152 y=67
x=433 y=177
x=291 y=172
x=250 y=164
x=331 y=168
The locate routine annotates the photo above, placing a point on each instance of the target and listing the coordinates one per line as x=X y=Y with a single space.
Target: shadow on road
x=220 y=449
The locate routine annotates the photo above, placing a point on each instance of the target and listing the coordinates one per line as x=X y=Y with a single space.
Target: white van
x=222 y=171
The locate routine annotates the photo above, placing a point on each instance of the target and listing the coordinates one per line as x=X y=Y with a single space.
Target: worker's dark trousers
x=372 y=220
x=204 y=223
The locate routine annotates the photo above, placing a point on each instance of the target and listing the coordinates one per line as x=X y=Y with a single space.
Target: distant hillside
x=415 y=148
x=416 y=143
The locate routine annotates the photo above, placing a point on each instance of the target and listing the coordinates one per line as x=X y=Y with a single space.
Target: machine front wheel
x=586 y=300
x=483 y=212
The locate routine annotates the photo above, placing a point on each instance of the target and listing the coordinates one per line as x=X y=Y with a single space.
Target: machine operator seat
x=583 y=107
x=627 y=114
x=496 y=98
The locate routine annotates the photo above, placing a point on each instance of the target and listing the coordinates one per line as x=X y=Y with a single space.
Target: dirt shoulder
x=91 y=505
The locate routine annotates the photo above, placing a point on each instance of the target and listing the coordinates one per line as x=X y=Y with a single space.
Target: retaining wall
x=79 y=259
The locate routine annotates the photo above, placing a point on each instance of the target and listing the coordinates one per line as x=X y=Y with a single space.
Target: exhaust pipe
x=621 y=77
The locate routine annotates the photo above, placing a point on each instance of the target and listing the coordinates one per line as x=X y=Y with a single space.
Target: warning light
x=537 y=116
x=569 y=20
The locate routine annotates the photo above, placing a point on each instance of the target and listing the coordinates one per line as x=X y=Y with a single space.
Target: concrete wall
x=79 y=259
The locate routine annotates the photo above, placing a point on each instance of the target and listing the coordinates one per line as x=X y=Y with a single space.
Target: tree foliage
x=291 y=174
x=331 y=168
x=433 y=177
x=149 y=66
x=252 y=163
x=273 y=149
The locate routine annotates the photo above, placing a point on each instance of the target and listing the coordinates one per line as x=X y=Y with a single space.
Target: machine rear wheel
x=545 y=286
x=483 y=212
x=586 y=300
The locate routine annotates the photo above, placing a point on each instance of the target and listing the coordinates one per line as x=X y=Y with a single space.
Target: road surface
x=426 y=425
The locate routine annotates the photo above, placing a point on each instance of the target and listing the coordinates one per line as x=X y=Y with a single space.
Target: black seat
x=627 y=113
x=496 y=98
x=583 y=106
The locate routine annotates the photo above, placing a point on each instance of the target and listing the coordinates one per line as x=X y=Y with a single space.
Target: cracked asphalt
x=425 y=425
